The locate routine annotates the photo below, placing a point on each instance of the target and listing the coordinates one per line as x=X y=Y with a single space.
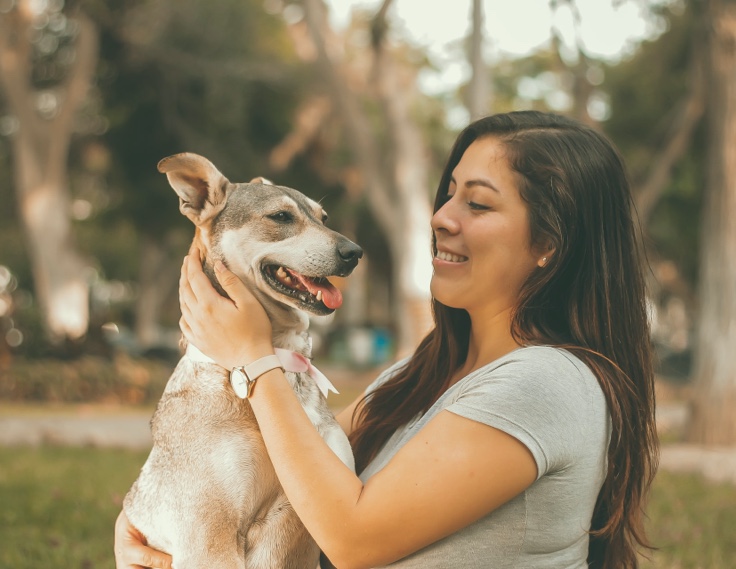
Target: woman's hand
x=131 y=551
x=232 y=331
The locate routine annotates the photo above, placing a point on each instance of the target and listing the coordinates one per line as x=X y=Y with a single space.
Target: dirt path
x=122 y=427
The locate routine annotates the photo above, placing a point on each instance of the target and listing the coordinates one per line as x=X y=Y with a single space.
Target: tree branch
x=309 y=118
x=75 y=88
x=357 y=124
x=15 y=68
x=269 y=72
x=581 y=87
x=689 y=112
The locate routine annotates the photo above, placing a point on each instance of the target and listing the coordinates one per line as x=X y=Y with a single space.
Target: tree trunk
x=688 y=115
x=43 y=200
x=479 y=88
x=714 y=401
x=397 y=196
x=410 y=244
x=40 y=150
x=157 y=279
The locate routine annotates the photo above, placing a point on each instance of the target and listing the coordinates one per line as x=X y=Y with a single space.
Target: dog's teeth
x=319 y=295
x=281 y=272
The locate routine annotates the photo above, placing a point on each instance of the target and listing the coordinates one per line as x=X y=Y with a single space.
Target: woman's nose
x=445 y=218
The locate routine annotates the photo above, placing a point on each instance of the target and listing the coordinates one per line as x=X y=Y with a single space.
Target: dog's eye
x=325 y=217
x=282 y=217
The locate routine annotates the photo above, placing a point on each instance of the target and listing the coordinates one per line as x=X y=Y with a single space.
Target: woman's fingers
x=185 y=329
x=200 y=286
x=131 y=551
x=232 y=285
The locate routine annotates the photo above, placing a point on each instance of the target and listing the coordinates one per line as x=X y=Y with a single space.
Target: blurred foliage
x=174 y=77
x=692 y=522
x=87 y=379
x=222 y=78
x=644 y=91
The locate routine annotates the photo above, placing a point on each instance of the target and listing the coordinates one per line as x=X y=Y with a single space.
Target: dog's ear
x=261 y=180
x=200 y=186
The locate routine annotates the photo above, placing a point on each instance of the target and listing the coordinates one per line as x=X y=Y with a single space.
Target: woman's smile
x=443 y=258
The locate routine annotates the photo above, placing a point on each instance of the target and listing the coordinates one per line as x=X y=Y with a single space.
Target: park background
x=356 y=104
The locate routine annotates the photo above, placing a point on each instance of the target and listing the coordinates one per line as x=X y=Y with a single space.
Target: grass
x=692 y=522
x=59 y=506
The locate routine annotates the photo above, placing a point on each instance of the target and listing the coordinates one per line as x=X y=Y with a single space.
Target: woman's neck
x=490 y=338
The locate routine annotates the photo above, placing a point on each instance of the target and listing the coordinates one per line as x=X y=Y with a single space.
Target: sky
x=516 y=26
x=609 y=29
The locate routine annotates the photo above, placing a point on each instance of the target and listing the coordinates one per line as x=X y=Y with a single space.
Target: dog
x=208 y=494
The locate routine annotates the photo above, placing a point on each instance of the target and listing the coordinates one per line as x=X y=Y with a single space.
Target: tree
x=391 y=159
x=184 y=75
x=479 y=96
x=714 y=399
x=657 y=104
x=47 y=60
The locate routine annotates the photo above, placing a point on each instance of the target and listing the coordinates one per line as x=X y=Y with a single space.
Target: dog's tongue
x=331 y=296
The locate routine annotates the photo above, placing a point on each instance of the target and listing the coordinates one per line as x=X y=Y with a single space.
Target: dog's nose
x=349 y=251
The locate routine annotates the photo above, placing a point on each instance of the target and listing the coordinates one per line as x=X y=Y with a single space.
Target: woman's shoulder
x=545 y=357
x=540 y=369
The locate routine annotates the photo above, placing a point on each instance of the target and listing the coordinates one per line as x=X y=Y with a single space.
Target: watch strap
x=243 y=378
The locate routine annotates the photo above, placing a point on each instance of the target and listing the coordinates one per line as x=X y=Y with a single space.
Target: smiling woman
x=535 y=256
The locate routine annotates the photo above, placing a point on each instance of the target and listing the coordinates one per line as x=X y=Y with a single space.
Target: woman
x=521 y=431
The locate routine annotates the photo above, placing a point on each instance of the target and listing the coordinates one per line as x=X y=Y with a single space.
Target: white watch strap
x=261 y=366
x=243 y=378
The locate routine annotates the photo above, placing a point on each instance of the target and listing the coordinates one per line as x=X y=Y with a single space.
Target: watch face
x=239 y=381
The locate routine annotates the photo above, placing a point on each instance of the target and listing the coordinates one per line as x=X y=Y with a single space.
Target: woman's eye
x=282 y=216
x=478 y=207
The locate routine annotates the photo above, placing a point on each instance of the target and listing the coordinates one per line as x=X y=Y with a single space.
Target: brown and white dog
x=208 y=494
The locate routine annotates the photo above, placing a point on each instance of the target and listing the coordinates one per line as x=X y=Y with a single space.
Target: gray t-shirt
x=550 y=401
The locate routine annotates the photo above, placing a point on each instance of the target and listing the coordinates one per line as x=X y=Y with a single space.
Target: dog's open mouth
x=316 y=294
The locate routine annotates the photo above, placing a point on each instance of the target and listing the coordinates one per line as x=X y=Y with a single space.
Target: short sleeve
x=544 y=397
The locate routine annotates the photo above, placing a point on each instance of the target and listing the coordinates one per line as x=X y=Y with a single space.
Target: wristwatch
x=243 y=378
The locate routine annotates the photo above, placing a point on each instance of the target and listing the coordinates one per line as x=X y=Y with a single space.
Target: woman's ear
x=545 y=256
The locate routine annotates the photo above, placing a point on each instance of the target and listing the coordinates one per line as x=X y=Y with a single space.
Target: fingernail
x=219 y=267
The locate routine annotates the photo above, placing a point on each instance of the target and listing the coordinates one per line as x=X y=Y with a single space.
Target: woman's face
x=482 y=232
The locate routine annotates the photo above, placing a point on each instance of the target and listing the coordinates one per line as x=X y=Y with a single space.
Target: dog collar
x=290 y=361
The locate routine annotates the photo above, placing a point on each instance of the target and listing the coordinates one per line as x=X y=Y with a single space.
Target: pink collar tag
x=297 y=363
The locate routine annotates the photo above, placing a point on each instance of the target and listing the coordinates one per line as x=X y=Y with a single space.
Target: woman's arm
x=453 y=472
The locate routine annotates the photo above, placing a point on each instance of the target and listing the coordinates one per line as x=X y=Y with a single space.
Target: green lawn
x=58 y=507
x=692 y=522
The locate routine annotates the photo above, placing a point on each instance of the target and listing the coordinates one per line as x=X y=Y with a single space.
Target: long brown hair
x=588 y=298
